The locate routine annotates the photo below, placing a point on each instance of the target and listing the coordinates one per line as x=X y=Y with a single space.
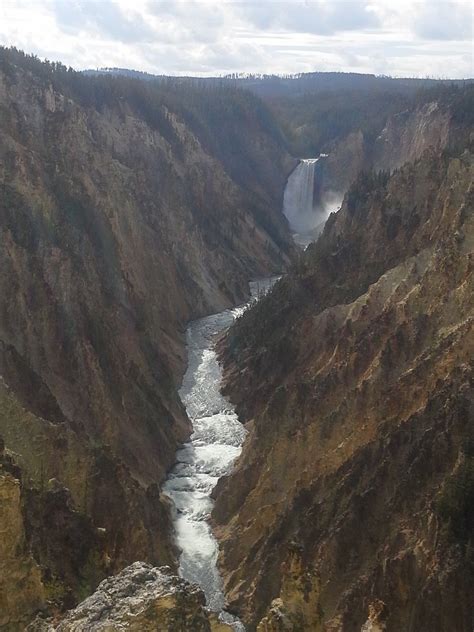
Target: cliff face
x=17 y=566
x=351 y=501
x=405 y=136
x=119 y=222
x=409 y=133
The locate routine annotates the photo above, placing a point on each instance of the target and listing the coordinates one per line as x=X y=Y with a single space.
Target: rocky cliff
x=123 y=214
x=140 y=599
x=17 y=566
x=352 y=501
x=433 y=120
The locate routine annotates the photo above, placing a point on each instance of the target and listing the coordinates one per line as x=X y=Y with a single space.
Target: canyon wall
x=121 y=218
x=430 y=123
x=128 y=208
x=351 y=506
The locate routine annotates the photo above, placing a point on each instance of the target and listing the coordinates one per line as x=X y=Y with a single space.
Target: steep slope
x=362 y=129
x=121 y=218
x=399 y=133
x=17 y=565
x=352 y=502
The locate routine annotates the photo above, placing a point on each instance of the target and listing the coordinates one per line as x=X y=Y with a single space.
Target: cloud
x=197 y=20
x=209 y=37
x=310 y=16
x=444 y=21
x=103 y=17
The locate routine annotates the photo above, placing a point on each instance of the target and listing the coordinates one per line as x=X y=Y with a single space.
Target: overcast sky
x=209 y=37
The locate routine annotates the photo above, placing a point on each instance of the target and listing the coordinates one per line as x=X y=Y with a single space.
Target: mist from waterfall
x=303 y=215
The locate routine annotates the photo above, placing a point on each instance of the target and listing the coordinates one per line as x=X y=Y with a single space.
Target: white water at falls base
x=213 y=447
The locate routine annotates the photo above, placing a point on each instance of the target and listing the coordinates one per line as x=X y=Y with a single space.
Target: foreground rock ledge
x=141 y=598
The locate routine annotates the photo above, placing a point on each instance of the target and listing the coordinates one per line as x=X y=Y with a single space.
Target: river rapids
x=210 y=453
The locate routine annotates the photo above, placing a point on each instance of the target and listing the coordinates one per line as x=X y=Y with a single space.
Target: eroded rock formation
x=355 y=377
x=405 y=137
x=18 y=569
x=121 y=218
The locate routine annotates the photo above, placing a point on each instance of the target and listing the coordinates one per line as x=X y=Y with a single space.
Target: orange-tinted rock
x=355 y=375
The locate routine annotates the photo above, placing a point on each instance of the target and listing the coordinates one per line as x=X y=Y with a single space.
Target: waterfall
x=298 y=198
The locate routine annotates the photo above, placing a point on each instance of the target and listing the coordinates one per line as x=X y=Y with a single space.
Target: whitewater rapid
x=212 y=449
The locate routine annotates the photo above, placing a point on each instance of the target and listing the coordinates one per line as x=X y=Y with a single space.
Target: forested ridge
x=315 y=109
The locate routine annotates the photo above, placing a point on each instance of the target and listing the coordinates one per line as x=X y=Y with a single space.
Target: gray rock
x=140 y=598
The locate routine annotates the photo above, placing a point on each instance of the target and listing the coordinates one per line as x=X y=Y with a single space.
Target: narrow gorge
x=352 y=500
x=236 y=386
x=122 y=219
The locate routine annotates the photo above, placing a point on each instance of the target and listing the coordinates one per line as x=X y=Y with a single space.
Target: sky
x=214 y=37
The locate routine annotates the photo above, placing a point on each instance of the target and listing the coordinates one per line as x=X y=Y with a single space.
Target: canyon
x=133 y=215
x=117 y=227
x=351 y=500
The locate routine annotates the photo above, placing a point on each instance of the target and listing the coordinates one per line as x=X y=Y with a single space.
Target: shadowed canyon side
x=352 y=500
x=122 y=217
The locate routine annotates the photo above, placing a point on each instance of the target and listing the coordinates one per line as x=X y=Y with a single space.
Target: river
x=212 y=449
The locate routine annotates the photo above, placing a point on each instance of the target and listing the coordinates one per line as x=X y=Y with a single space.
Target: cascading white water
x=305 y=215
x=214 y=445
x=298 y=197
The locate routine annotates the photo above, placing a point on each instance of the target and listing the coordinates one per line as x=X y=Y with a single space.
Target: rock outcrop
x=355 y=377
x=140 y=598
